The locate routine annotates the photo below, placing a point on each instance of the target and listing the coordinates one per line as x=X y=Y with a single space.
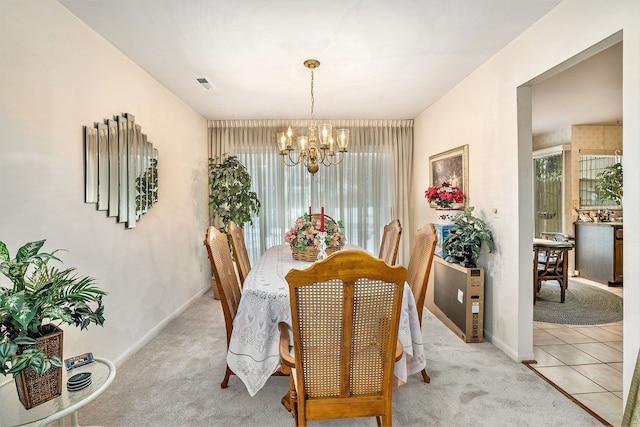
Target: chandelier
x=313 y=151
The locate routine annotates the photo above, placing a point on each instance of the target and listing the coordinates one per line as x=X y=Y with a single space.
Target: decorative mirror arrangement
x=121 y=169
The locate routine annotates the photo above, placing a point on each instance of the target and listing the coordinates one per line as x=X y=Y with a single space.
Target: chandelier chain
x=313 y=100
x=314 y=151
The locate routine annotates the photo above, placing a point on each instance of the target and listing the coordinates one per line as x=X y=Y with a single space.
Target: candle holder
x=322 y=247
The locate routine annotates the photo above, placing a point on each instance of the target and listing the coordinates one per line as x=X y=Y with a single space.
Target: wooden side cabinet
x=599 y=251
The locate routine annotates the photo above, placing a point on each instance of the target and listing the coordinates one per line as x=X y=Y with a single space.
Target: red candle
x=322 y=219
x=309 y=210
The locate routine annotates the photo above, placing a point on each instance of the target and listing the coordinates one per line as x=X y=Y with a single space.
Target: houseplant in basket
x=39 y=299
x=305 y=242
x=447 y=199
x=464 y=242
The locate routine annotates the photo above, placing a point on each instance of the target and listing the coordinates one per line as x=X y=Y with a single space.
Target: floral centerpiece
x=444 y=196
x=304 y=236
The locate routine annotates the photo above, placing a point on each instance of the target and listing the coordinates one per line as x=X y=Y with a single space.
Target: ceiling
x=380 y=59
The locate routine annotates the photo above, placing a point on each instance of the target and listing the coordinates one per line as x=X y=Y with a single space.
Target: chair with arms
x=236 y=236
x=420 y=260
x=390 y=242
x=557 y=237
x=226 y=282
x=345 y=312
x=550 y=263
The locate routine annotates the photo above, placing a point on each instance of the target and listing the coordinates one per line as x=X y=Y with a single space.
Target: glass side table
x=13 y=413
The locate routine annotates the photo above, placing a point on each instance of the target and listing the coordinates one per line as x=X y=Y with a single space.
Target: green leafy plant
x=41 y=297
x=609 y=186
x=464 y=242
x=230 y=195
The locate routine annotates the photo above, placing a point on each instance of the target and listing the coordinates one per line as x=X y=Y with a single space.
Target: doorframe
x=525 y=188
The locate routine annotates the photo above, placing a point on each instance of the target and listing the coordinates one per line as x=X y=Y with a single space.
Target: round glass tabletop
x=14 y=414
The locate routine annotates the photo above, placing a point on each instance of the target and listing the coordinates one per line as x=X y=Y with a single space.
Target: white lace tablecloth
x=253 y=350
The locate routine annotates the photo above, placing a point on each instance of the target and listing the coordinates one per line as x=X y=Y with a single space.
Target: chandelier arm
x=289 y=161
x=330 y=162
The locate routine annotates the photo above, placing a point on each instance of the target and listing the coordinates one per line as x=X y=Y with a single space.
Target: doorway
x=547 y=195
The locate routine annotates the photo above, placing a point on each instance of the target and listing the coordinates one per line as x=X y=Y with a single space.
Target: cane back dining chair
x=226 y=282
x=390 y=242
x=345 y=312
x=420 y=260
x=236 y=236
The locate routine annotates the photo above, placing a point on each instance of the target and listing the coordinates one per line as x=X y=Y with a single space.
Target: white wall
x=57 y=75
x=482 y=111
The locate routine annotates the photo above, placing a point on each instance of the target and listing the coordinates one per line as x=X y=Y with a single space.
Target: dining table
x=253 y=351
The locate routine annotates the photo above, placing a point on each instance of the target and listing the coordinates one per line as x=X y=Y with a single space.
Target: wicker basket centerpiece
x=304 y=240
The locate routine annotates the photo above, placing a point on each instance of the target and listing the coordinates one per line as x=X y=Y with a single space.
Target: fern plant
x=40 y=297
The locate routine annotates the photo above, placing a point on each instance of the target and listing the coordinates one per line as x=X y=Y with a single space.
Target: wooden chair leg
x=293 y=400
x=425 y=377
x=225 y=381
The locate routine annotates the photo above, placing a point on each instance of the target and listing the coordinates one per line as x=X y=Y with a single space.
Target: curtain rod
x=283 y=123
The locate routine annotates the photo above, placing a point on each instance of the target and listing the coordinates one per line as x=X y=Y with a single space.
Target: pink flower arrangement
x=444 y=195
x=305 y=233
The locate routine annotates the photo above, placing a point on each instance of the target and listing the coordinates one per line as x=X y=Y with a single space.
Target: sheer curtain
x=367 y=190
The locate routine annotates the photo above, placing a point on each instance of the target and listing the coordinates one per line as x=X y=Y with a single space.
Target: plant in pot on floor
x=464 y=242
x=230 y=195
x=40 y=298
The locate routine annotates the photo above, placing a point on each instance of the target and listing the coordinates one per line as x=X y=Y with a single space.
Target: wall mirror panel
x=121 y=169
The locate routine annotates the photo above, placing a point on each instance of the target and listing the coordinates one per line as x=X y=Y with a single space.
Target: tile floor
x=584 y=360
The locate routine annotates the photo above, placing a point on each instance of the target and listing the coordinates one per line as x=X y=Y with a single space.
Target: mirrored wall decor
x=121 y=169
x=90 y=164
x=113 y=167
x=103 y=167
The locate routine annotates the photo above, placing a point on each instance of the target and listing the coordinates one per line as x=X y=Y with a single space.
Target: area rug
x=584 y=305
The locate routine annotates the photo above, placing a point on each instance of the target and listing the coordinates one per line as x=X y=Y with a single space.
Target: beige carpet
x=174 y=380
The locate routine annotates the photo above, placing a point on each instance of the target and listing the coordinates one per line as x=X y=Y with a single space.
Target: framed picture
x=451 y=166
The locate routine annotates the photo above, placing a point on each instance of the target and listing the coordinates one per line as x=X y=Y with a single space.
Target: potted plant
x=40 y=298
x=609 y=186
x=464 y=242
x=447 y=199
x=230 y=195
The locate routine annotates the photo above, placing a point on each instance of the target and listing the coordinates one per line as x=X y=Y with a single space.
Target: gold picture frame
x=451 y=166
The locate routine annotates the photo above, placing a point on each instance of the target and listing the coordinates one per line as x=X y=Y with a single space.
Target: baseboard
x=156 y=330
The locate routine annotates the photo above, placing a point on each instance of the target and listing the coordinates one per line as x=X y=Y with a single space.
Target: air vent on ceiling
x=204 y=82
